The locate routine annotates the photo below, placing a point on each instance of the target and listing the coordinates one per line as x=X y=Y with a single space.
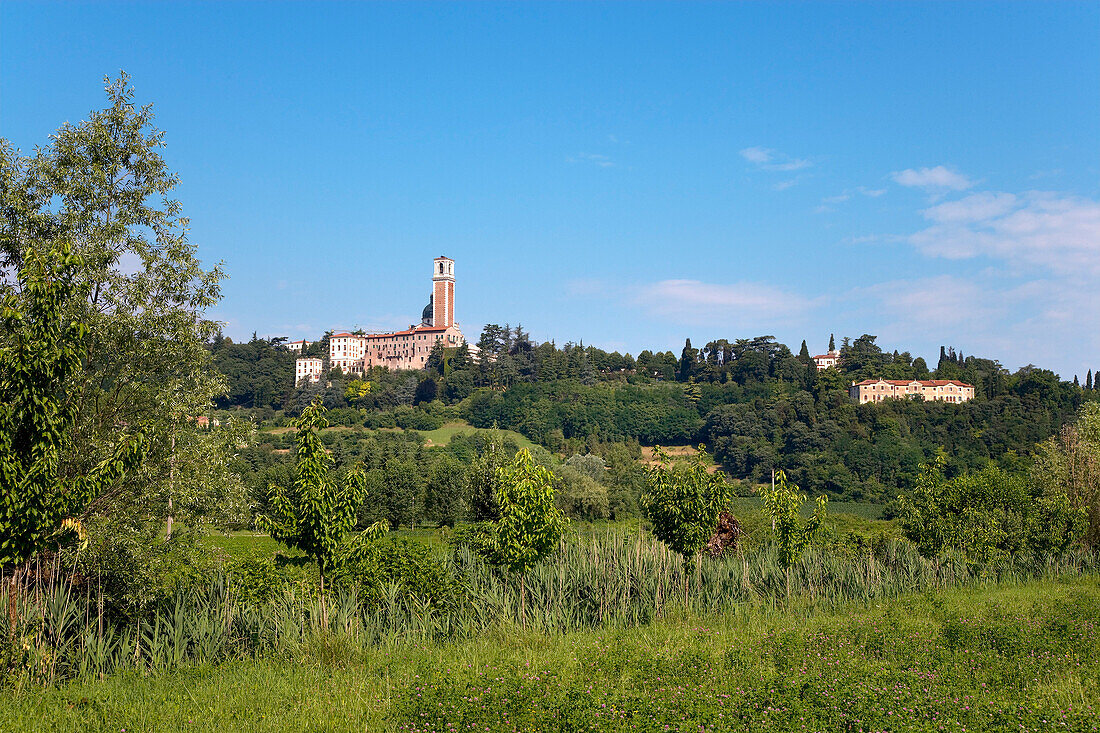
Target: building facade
x=308 y=368
x=297 y=345
x=824 y=361
x=355 y=353
x=931 y=390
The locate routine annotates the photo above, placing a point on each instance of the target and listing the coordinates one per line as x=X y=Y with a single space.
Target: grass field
x=978 y=659
x=443 y=435
x=438 y=437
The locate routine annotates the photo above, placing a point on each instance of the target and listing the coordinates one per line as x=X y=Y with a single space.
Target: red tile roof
x=922 y=382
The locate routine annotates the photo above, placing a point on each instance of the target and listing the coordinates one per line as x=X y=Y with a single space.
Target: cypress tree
x=804 y=352
x=832 y=343
x=1076 y=383
x=687 y=361
x=1088 y=380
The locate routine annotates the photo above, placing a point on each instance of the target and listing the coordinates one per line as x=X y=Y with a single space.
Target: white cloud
x=973 y=208
x=943 y=307
x=828 y=203
x=1037 y=229
x=1040 y=322
x=596 y=159
x=773 y=160
x=732 y=305
x=938 y=178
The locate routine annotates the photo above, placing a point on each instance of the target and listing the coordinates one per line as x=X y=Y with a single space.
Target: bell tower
x=443 y=292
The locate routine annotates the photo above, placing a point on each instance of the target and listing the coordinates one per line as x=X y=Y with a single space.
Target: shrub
x=986 y=514
x=407 y=569
x=579 y=495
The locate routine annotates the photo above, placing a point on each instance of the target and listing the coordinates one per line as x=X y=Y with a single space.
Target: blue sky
x=626 y=175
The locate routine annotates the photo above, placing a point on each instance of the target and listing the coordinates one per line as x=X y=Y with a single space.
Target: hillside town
x=355 y=353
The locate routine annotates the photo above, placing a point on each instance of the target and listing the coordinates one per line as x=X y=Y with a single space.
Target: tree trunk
x=13 y=604
x=171 y=485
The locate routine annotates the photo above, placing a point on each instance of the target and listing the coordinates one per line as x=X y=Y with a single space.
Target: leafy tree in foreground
x=314 y=515
x=103 y=187
x=42 y=348
x=683 y=504
x=782 y=504
x=529 y=525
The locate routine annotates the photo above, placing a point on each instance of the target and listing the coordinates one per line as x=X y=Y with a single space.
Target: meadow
x=985 y=657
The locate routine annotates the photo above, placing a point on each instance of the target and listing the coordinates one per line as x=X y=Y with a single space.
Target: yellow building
x=931 y=390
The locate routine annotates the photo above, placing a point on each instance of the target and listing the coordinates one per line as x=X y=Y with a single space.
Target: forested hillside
x=757 y=405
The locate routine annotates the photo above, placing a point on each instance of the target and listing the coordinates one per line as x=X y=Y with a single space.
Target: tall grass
x=608 y=580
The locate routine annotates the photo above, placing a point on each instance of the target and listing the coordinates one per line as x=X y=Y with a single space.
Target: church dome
x=426 y=315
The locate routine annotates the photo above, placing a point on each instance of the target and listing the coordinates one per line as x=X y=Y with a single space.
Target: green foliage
x=483 y=479
x=579 y=495
x=314 y=515
x=1069 y=464
x=986 y=514
x=41 y=352
x=783 y=505
x=402 y=571
x=259 y=372
x=103 y=188
x=444 y=499
x=402 y=487
x=683 y=502
x=529 y=524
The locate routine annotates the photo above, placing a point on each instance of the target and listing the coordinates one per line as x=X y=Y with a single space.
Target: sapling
x=683 y=504
x=782 y=503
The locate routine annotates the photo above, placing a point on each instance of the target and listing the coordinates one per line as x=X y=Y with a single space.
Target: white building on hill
x=355 y=353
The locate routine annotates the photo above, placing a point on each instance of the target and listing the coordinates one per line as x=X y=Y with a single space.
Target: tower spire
x=443 y=292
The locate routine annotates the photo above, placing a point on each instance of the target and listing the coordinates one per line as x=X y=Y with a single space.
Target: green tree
x=782 y=504
x=987 y=514
x=402 y=498
x=425 y=391
x=483 y=481
x=683 y=502
x=103 y=186
x=687 y=362
x=804 y=354
x=446 y=491
x=1069 y=464
x=435 y=360
x=41 y=351
x=579 y=495
x=314 y=514
x=530 y=525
